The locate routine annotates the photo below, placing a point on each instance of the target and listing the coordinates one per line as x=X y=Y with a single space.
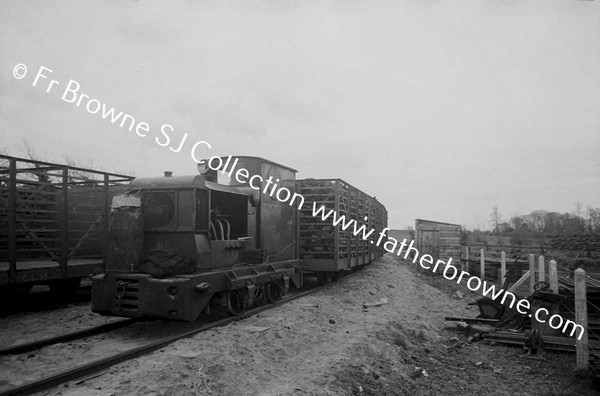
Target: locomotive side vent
x=158 y=209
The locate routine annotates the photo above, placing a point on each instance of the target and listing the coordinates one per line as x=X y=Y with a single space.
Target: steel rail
x=32 y=346
x=88 y=369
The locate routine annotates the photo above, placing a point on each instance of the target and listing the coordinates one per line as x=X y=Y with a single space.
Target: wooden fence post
x=482 y=265
x=553 y=276
x=542 y=264
x=581 y=345
x=532 y=273
x=502 y=266
x=467 y=258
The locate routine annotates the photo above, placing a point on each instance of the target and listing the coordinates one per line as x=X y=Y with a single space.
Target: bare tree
x=28 y=150
x=593 y=218
x=495 y=219
x=578 y=208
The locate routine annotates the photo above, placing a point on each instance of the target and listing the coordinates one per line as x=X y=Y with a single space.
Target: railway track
x=76 y=335
x=93 y=368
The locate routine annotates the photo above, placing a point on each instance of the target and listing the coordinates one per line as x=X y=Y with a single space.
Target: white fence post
x=532 y=273
x=482 y=265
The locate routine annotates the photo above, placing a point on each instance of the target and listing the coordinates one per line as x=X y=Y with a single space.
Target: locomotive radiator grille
x=127 y=293
x=158 y=209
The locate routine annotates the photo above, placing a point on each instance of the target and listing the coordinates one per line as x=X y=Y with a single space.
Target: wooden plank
x=65 y=222
x=502 y=266
x=542 y=269
x=582 y=347
x=553 y=276
x=12 y=220
x=520 y=281
x=34 y=237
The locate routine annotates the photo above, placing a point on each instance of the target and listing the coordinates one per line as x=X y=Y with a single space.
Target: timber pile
x=567 y=308
x=585 y=242
x=492 y=266
x=551 y=343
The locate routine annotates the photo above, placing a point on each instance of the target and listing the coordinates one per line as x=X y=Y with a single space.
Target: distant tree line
x=524 y=228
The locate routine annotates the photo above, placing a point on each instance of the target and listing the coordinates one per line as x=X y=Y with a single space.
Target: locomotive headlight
x=203 y=167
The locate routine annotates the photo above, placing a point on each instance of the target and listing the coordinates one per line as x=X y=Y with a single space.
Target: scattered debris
x=453 y=342
x=420 y=372
x=309 y=305
x=377 y=303
x=458 y=295
x=331 y=321
x=254 y=329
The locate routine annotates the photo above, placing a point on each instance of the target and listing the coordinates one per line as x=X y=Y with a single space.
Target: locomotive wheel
x=272 y=292
x=237 y=301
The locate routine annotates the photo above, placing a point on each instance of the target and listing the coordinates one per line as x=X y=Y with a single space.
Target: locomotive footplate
x=183 y=297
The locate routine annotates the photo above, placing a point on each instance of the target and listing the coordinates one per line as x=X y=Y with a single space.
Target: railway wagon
x=183 y=244
x=53 y=219
x=328 y=250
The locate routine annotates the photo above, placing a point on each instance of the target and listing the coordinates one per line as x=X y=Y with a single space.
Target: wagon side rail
x=50 y=214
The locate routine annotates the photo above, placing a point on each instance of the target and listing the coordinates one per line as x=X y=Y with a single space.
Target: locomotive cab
x=178 y=243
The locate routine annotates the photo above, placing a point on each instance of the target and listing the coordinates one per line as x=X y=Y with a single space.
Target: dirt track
x=328 y=344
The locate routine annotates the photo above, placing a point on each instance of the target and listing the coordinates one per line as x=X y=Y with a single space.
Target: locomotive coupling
x=203 y=287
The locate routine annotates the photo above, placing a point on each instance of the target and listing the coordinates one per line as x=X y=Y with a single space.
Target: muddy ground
x=329 y=344
x=41 y=316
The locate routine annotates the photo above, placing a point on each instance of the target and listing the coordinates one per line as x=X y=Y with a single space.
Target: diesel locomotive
x=178 y=246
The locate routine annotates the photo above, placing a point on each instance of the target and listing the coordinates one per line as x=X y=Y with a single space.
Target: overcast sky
x=441 y=109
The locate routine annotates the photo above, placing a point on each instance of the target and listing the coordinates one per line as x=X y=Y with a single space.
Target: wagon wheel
x=326 y=277
x=272 y=291
x=237 y=301
x=335 y=276
x=23 y=290
x=65 y=288
x=322 y=278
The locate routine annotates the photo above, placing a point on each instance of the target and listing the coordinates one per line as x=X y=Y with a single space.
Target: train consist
x=177 y=246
